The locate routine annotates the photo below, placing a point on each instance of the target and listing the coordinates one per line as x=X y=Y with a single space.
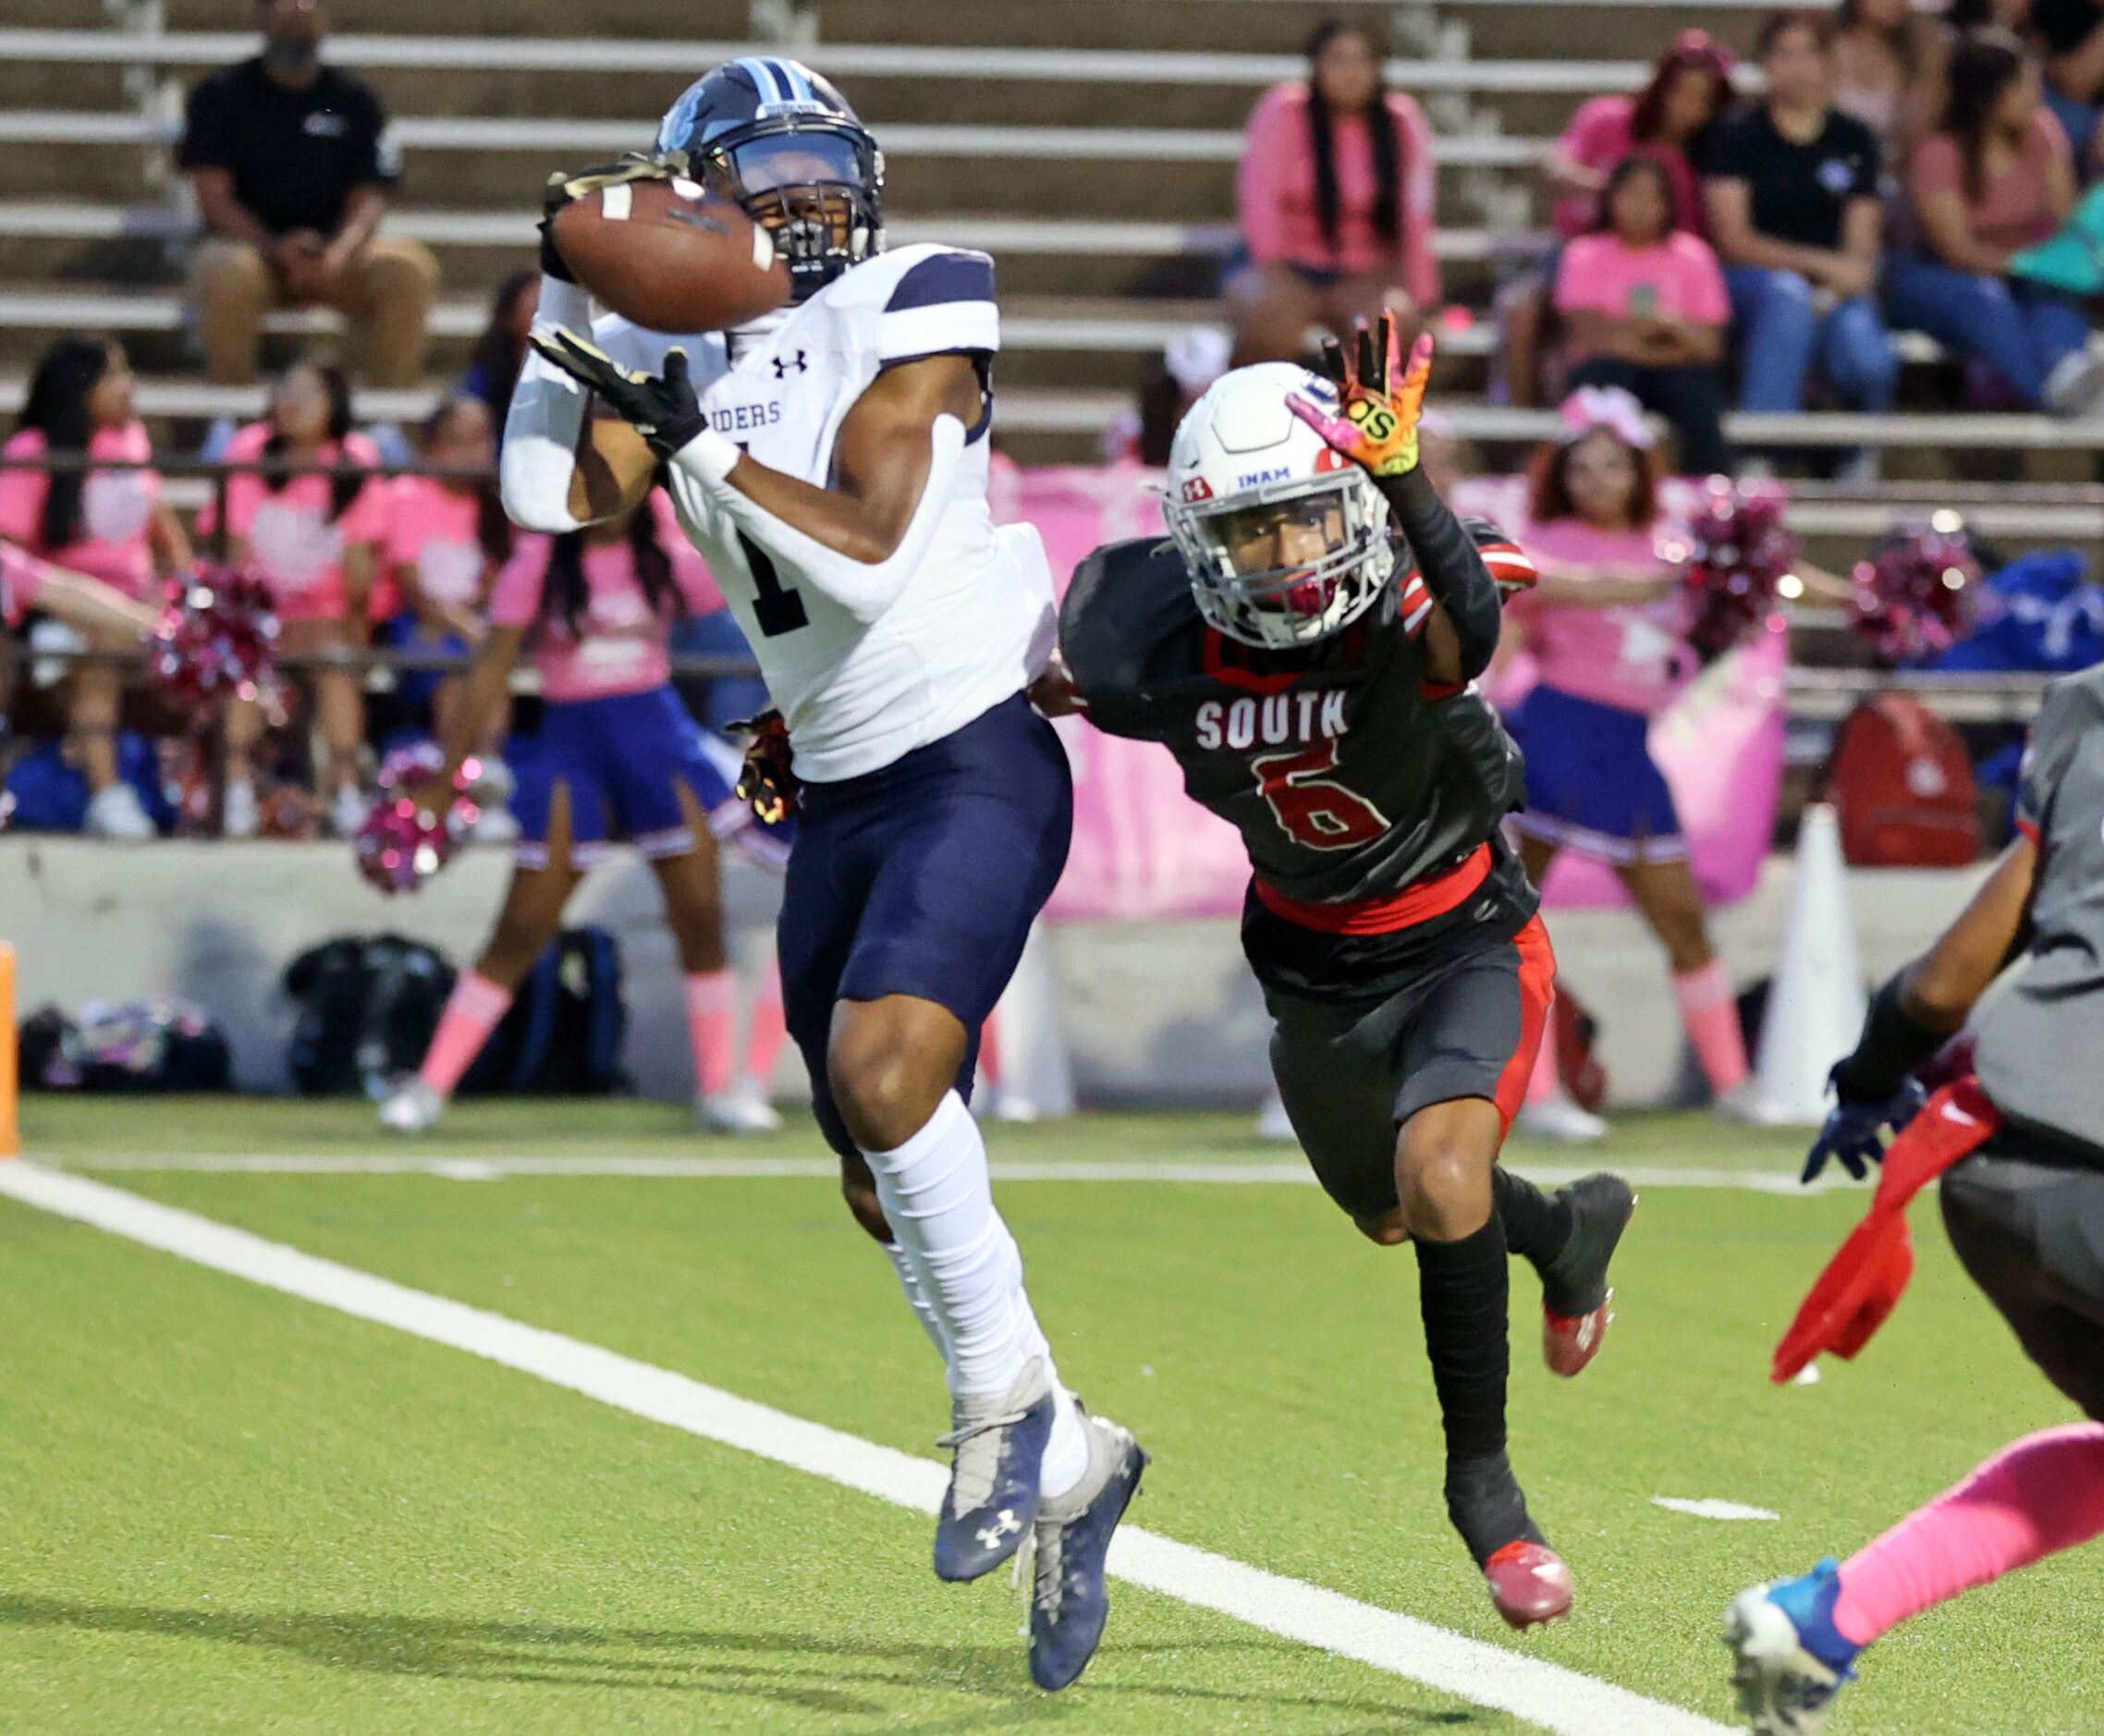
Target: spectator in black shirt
x=1793 y=213
x=291 y=166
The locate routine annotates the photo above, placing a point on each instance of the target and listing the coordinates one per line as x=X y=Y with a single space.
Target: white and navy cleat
x=1069 y=1602
x=991 y=1505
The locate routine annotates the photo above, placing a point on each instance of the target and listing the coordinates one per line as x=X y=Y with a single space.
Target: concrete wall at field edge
x=1159 y=1013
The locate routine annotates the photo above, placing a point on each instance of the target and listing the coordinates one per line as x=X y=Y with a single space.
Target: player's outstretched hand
x=661 y=406
x=767 y=782
x=1379 y=398
x=565 y=189
x=1854 y=1132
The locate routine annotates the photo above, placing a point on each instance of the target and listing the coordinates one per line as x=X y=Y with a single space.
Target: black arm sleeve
x=1450 y=565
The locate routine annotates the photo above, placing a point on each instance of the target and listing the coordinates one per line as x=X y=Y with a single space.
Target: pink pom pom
x=1736 y=552
x=216 y=642
x=403 y=841
x=1916 y=595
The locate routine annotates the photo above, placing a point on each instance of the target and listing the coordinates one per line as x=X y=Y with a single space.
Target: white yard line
x=460 y=1167
x=1547 y=1695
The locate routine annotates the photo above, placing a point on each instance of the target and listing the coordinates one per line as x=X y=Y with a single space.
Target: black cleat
x=1575 y=1297
x=1069 y=1601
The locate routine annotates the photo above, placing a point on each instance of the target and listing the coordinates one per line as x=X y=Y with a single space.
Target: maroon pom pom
x=404 y=842
x=1736 y=552
x=1916 y=594
x=216 y=642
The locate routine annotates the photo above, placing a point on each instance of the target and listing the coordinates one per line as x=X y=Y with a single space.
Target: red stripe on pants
x=1538 y=991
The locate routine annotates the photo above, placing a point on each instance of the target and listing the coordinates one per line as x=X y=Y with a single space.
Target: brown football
x=671 y=258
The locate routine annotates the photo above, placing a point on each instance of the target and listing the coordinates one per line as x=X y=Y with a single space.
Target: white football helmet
x=1287 y=539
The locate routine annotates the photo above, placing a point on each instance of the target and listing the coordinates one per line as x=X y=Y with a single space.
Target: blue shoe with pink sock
x=1790 y=1658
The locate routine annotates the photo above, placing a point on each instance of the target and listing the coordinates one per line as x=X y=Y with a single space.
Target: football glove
x=663 y=407
x=1379 y=399
x=564 y=189
x=766 y=783
x=1854 y=1132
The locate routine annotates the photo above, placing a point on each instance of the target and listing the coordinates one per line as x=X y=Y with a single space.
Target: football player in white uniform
x=831 y=462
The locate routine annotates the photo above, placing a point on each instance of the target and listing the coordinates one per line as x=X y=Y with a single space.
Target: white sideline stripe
x=468 y=1167
x=1556 y=1698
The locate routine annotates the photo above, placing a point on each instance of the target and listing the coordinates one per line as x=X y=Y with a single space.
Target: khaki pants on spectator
x=385 y=294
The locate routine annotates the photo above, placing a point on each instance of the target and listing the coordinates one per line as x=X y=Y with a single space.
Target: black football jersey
x=1348 y=773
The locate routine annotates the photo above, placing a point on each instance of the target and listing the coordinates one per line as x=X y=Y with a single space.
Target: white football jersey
x=974 y=622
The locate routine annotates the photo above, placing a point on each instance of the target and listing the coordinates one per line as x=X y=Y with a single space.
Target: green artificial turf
x=230 y=1509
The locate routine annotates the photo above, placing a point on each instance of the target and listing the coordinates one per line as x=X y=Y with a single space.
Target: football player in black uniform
x=1305 y=646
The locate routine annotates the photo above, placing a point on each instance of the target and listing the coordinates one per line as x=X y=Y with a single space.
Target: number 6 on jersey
x=1314 y=808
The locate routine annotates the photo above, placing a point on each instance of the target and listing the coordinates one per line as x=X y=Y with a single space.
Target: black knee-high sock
x=1461 y=1290
x=1538 y=1224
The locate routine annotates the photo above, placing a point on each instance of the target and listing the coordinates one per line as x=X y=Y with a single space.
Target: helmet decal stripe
x=800 y=81
x=764 y=81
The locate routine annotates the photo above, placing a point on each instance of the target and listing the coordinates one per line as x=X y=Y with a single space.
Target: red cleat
x=1529 y=1584
x=1570 y=1341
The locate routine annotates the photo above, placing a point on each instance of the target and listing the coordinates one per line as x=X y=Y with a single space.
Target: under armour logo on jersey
x=786 y=365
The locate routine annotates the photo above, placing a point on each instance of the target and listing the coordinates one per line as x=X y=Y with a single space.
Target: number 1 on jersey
x=775 y=606
x=1312 y=809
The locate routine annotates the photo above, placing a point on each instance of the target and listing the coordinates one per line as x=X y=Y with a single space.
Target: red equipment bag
x=1901 y=787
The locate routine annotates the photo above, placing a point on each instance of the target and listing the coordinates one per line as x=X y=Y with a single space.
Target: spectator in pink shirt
x=112 y=525
x=1336 y=190
x=447 y=538
x=1647 y=310
x=1689 y=88
x=1607 y=625
x=1995 y=177
x=313 y=539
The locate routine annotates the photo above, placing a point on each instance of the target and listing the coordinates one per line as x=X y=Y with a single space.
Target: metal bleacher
x=1090 y=147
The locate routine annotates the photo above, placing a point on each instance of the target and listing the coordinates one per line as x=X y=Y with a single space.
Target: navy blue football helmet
x=780 y=140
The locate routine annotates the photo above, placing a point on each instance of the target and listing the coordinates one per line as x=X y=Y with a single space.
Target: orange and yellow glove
x=1379 y=399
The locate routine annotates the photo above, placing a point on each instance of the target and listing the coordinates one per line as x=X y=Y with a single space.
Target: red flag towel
x=1863 y=1282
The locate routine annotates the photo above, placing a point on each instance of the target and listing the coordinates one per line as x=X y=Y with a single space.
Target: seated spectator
x=1994 y=177
x=1646 y=306
x=1793 y=214
x=290 y=163
x=1337 y=191
x=1688 y=89
x=1888 y=71
x=2071 y=35
x=500 y=351
x=112 y=525
x=312 y=539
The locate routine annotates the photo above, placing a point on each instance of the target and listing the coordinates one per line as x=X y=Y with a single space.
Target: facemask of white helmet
x=1289 y=562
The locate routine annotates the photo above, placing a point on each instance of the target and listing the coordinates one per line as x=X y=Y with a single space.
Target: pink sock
x=474 y=1009
x=990 y=1049
x=2036 y=1497
x=1711 y=1016
x=1545 y=1082
x=764 y=1041
x=711 y=1022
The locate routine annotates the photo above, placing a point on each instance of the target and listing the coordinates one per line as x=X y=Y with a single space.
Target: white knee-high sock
x=939 y=1199
x=916 y=1298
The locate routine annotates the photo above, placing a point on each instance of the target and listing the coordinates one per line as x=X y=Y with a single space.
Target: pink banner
x=1145 y=852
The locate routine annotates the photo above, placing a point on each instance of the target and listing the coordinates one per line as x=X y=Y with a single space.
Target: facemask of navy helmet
x=781 y=142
